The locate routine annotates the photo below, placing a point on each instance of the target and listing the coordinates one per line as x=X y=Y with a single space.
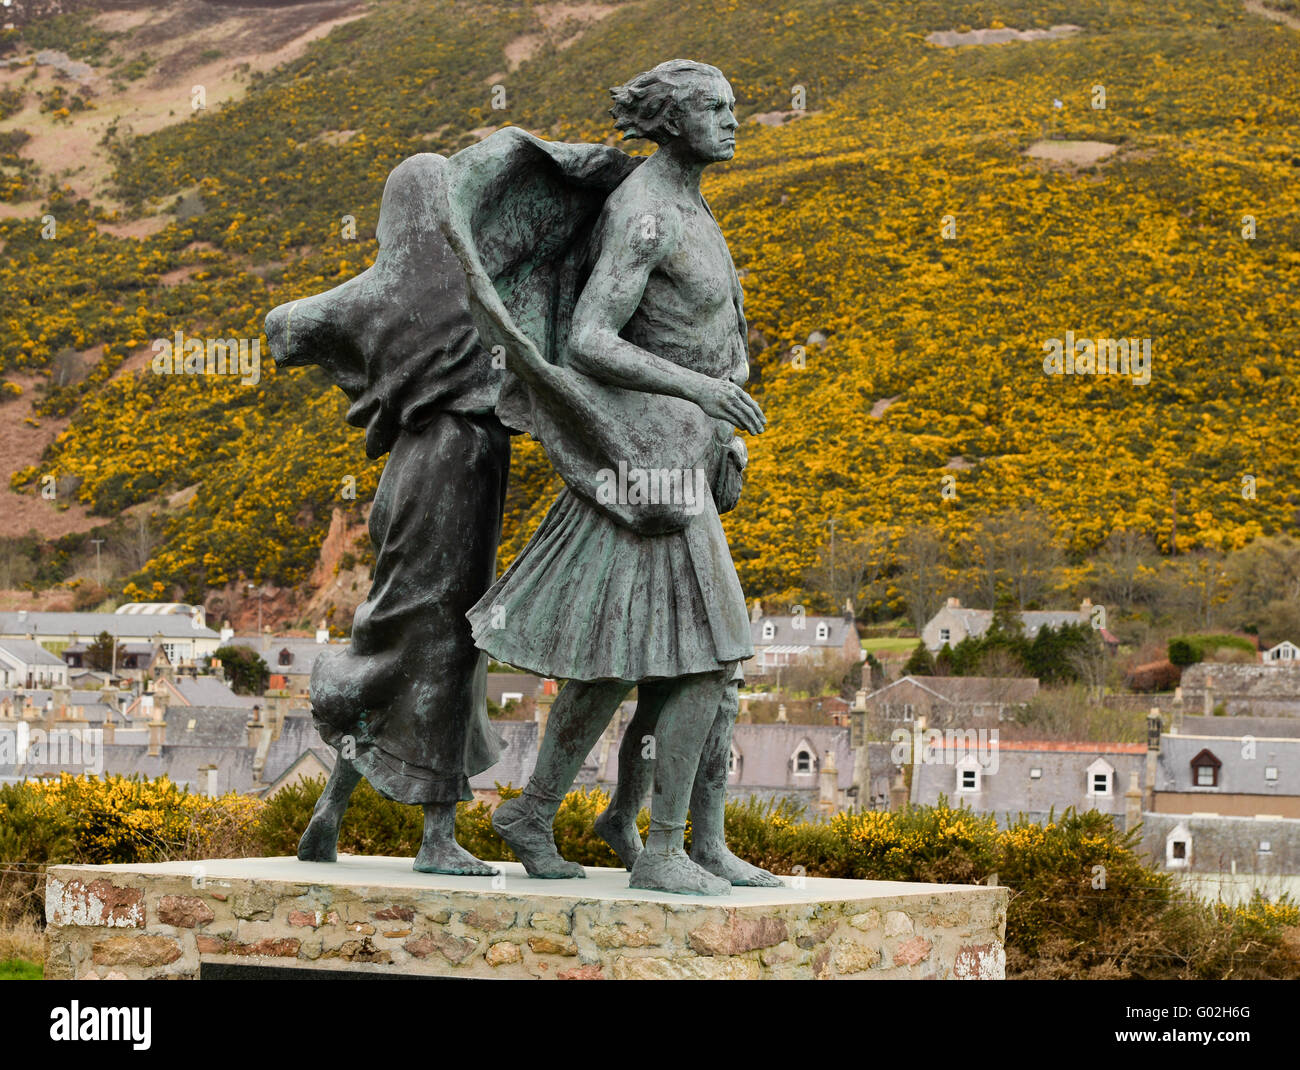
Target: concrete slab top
x=599 y=884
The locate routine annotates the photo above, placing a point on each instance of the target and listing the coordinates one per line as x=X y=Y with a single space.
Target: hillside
x=918 y=397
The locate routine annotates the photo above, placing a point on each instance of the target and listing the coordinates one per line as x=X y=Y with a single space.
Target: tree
x=854 y=569
x=1266 y=588
x=99 y=654
x=1183 y=652
x=920 y=663
x=1124 y=569
x=877 y=671
x=923 y=579
x=1013 y=556
x=243 y=669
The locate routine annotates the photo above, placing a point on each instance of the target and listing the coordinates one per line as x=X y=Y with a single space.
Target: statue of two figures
x=588 y=298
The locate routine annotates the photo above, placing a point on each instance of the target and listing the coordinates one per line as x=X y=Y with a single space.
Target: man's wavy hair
x=643 y=105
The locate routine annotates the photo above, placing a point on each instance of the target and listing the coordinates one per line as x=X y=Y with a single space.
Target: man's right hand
x=724 y=400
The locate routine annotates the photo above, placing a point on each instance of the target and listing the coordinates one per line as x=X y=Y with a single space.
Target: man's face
x=708 y=122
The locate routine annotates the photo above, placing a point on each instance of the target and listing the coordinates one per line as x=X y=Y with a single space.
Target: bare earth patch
x=999 y=36
x=21 y=445
x=1071 y=155
x=1256 y=8
x=182 y=37
x=882 y=406
x=562 y=24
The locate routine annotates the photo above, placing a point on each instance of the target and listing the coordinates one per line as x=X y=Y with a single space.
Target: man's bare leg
x=616 y=824
x=684 y=724
x=709 y=804
x=439 y=851
x=580 y=714
x=320 y=843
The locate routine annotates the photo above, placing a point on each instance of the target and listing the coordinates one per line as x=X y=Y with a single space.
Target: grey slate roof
x=95 y=705
x=210 y=691
x=969 y=690
x=1009 y=789
x=169 y=625
x=29 y=652
x=786 y=634
x=1275 y=727
x=1239 y=773
x=179 y=763
x=303 y=651
x=1218 y=842
x=214 y=726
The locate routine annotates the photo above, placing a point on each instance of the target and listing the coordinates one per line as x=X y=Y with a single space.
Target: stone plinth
x=377 y=915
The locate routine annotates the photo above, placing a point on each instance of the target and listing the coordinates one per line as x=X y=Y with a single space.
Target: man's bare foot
x=320 y=843
x=622 y=836
x=722 y=863
x=441 y=856
x=533 y=841
x=672 y=871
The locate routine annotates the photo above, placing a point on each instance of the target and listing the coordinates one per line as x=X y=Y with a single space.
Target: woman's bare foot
x=440 y=856
x=622 y=836
x=672 y=871
x=532 y=839
x=722 y=863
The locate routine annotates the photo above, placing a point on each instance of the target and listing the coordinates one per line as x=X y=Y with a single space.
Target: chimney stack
x=157 y=735
x=1132 y=803
x=829 y=784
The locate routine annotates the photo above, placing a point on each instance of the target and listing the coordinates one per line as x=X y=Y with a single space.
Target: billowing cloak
x=406 y=699
x=519 y=213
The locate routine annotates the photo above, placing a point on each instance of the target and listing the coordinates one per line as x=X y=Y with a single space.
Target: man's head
x=679 y=100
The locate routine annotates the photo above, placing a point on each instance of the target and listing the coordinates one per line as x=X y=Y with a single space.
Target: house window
x=907 y=711
x=769 y=630
x=945 y=635
x=969 y=780
x=1101 y=775
x=1265 y=847
x=803 y=760
x=823 y=631
x=1035 y=774
x=1178 y=848
x=1270 y=772
x=733 y=762
x=1205 y=770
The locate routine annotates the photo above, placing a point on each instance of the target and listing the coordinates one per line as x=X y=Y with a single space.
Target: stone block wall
x=160 y=921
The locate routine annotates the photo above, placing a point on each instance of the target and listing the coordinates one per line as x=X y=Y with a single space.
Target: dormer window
x=1205 y=770
x=968 y=774
x=823 y=631
x=804 y=761
x=769 y=630
x=1101 y=778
